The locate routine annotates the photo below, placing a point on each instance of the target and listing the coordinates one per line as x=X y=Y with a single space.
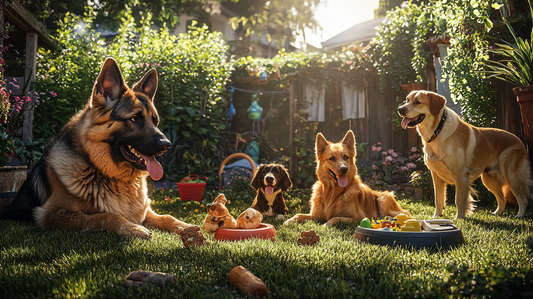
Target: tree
x=279 y=20
x=109 y=13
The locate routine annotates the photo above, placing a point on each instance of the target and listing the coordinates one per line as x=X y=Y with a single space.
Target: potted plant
x=11 y=177
x=517 y=68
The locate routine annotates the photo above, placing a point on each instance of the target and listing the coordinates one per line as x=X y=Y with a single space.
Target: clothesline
x=262 y=92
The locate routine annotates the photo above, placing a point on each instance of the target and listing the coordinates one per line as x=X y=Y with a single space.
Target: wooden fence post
x=29 y=82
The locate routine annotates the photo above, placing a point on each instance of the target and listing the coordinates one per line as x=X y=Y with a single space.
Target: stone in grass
x=192 y=236
x=139 y=278
x=309 y=237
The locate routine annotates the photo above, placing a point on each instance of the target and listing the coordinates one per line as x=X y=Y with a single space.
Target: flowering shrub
x=11 y=110
x=385 y=168
x=237 y=180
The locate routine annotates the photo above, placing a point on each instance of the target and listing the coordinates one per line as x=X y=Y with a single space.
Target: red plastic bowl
x=264 y=231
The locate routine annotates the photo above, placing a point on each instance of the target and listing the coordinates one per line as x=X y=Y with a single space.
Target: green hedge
x=192 y=69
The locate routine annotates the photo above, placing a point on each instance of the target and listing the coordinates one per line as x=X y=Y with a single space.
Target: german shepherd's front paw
x=135 y=231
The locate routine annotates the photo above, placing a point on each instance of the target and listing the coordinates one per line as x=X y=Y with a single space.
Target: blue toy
x=231 y=110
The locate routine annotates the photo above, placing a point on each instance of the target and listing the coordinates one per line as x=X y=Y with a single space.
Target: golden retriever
x=458 y=153
x=339 y=194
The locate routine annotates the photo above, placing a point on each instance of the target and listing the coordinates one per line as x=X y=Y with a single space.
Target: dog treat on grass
x=192 y=236
x=139 y=278
x=248 y=283
x=309 y=237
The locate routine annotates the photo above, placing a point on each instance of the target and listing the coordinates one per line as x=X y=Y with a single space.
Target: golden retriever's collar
x=439 y=126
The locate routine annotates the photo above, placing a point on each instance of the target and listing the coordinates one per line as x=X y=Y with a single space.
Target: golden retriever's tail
x=470 y=201
x=387 y=204
x=530 y=188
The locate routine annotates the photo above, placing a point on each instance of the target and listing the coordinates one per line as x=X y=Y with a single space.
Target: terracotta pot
x=11 y=178
x=524 y=97
x=414 y=86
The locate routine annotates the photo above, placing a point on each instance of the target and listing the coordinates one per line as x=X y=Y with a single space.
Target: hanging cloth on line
x=315 y=99
x=353 y=102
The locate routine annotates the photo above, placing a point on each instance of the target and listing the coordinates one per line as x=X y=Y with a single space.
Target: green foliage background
x=195 y=69
x=192 y=72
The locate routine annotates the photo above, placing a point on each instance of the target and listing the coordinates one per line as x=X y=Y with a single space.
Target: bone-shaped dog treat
x=192 y=236
x=308 y=238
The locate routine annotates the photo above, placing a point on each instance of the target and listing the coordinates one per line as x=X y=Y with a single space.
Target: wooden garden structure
x=34 y=34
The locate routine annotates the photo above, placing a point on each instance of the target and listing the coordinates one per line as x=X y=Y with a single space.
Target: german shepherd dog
x=339 y=194
x=92 y=176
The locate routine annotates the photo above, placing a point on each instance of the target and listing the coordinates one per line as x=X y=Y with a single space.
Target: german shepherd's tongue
x=342 y=181
x=269 y=190
x=154 y=168
x=406 y=121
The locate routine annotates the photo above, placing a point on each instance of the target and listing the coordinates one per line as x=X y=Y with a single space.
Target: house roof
x=18 y=15
x=362 y=32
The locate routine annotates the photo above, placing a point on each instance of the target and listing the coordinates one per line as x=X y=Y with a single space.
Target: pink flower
x=395 y=155
x=391 y=151
x=414 y=149
x=411 y=165
x=388 y=159
x=374 y=167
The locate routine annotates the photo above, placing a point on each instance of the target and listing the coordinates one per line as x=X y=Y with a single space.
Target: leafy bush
x=192 y=71
x=65 y=77
x=30 y=151
x=394 y=51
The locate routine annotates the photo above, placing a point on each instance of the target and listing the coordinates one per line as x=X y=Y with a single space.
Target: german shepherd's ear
x=286 y=182
x=436 y=103
x=109 y=85
x=349 y=141
x=148 y=84
x=256 y=179
x=321 y=144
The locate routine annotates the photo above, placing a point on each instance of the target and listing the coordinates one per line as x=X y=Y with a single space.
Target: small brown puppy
x=270 y=181
x=218 y=215
x=249 y=219
x=457 y=153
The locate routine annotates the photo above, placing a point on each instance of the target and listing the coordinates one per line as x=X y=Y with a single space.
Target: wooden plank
x=291 y=129
x=29 y=78
x=20 y=16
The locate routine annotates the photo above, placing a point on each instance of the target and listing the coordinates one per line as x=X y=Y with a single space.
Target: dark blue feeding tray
x=450 y=237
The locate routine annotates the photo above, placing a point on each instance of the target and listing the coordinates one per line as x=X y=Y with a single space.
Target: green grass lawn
x=495 y=260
